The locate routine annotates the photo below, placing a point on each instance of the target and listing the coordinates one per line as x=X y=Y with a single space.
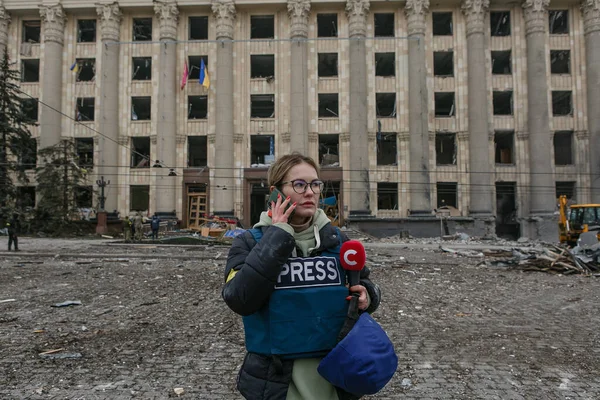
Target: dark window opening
x=25 y=197
x=328 y=64
x=504 y=144
x=197 y=107
x=386 y=105
x=140 y=152
x=30 y=109
x=500 y=23
x=262 y=27
x=140 y=197
x=141 y=108
x=558 y=21
x=444 y=104
x=142 y=68
x=507 y=225
x=262 y=66
x=329 y=149
x=503 y=102
x=327 y=25
x=262 y=106
x=443 y=63
x=563 y=148
x=560 y=61
x=384 y=25
x=27 y=157
x=85 y=108
x=197 y=151
x=86 y=69
x=30 y=70
x=142 y=29
x=31 y=31
x=385 y=64
x=562 y=102
x=85 y=152
x=328 y=105
x=86 y=30
x=262 y=149
x=501 y=62
x=84 y=196
x=442 y=23
x=387 y=148
x=387 y=196
x=447 y=194
x=445 y=148
x=194 y=63
x=198 y=29
x=565 y=188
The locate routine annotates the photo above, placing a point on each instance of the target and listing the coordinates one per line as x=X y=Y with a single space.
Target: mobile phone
x=273 y=198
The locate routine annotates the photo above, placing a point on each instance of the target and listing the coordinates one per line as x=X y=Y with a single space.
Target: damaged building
x=428 y=107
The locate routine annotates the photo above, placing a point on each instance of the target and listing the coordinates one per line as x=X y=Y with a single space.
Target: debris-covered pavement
x=94 y=320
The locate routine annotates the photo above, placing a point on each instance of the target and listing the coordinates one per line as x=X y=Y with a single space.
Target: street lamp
x=102 y=184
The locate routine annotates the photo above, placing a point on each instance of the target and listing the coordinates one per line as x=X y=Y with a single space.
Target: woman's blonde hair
x=279 y=169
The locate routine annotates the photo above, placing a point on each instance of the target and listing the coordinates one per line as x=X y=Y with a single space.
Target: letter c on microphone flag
x=347 y=255
x=353 y=256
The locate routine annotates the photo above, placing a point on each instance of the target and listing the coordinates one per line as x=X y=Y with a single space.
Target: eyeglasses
x=300 y=186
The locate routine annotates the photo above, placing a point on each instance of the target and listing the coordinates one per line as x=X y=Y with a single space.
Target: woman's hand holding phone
x=281 y=209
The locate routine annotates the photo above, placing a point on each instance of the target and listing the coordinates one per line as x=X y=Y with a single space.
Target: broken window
x=387 y=148
x=27 y=157
x=141 y=108
x=262 y=66
x=85 y=109
x=30 y=109
x=142 y=29
x=194 y=63
x=84 y=196
x=386 y=105
x=140 y=197
x=447 y=194
x=562 y=102
x=262 y=26
x=31 y=31
x=442 y=23
x=86 y=69
x=262 y=149
x=140 y=152
x=30 y=70
x=563 y=148
x=444 y=104
x=445 y=148
x=262 y=106
x=443 y=63
x=560 y=61
x=85 y=152
x=25 y=197
x=385 y=64
x=501 y=62
x=197 y=151
x=500 y=23
x=504 y=144
x=86 y=31
x=198 y=28
x=384 y=25
x=558 y=22
x=329 y=149
x=565 y=188
x=503 y=102
x=142 y=68
x=197 y=107
x=387 y=196
x=328 y=64
x=327 y=25
x=328 y=105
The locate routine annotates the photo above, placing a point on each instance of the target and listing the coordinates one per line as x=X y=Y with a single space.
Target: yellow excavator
x=576 y=219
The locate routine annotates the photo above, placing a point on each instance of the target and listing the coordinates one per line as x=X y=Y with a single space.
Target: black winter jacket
x=258 y=266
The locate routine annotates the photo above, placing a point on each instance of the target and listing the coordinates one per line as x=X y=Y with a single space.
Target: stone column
x=223 y=186
x=299 y=10
x=480 y=195
x=109 y=17
x=591 y=26
x=166 y=126
x=4 y=22
x=54 y=19
x=357 y=12
x=542 y=222
x=418 y=117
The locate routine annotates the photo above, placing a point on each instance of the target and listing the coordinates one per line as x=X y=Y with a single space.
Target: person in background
x=127 y=229
x=155 y=225
x=139 y=227
x=14 y=229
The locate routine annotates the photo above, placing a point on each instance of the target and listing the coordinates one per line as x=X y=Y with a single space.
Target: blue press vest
x=306 y=311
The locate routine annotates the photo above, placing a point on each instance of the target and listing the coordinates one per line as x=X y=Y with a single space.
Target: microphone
x=353 y=258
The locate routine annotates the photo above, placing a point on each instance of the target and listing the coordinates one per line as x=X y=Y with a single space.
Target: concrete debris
x=464 y=253
x=60 y=356
x=67 y=303
x=179 y=391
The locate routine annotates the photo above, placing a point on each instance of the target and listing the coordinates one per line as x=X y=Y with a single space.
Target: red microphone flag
x=353 y=258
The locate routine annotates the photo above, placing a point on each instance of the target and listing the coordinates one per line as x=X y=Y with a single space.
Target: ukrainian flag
x=75 y=67
x=204 y=79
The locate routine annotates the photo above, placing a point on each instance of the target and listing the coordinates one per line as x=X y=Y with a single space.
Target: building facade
x=489 y=107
